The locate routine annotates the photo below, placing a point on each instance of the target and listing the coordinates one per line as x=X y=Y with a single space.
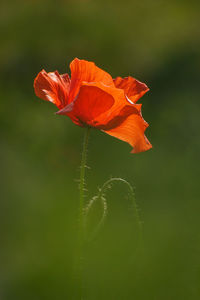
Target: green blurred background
x=158 y=43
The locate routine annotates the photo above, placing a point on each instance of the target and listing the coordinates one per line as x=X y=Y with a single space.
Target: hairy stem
x=82 y=175
x=79 y=266
x=101 y=196
x=137 y=216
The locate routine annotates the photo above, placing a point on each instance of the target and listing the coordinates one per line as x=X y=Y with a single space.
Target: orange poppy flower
x=92 y=98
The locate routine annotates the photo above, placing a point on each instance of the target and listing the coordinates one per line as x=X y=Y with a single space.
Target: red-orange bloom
x=92 y=98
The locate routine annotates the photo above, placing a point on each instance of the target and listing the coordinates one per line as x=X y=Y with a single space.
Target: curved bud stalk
x=85 y=210
x=101 y=197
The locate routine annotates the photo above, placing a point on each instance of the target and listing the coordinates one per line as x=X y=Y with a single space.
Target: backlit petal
x=90 y=103
x=82 y=70
x=113 y=116
x=52 y=87
x=100 y=106
x=133 y=88
x=131 y=130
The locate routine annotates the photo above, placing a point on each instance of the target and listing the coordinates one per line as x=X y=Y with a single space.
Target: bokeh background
x=158 y=43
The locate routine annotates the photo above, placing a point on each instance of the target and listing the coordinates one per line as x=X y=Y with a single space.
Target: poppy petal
x=131 y=130
x=82 y=70
x=133 y=88
x=52 y=87
x=117 y=111
x=90 y=103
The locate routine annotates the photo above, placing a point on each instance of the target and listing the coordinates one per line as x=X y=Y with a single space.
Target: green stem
x=137 y=216
x=100 y=196
x=81 y=212
x=82 y=175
